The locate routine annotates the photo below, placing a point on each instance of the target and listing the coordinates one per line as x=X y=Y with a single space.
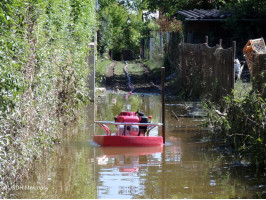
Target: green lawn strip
x=101 y=66
x=119 y=69
x=242 y=89
x=154 y=64
x=134 y=68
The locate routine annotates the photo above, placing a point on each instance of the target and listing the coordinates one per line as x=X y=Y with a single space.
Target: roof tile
x=203 y=14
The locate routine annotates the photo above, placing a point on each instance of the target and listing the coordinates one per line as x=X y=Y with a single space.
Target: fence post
x=220 y=43
x=233 y=65
x=91 y=65
x=163 y=102
x=206 y=40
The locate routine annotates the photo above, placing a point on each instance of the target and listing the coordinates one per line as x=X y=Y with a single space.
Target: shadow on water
x=186 y=167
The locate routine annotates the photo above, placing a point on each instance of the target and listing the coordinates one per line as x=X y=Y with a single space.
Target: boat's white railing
x=128 y=123
x=104 y=124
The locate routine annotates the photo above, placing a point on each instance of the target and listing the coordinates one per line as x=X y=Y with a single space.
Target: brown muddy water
x=188 y=166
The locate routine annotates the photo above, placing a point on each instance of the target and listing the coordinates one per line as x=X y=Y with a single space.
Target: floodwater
x=188 y=166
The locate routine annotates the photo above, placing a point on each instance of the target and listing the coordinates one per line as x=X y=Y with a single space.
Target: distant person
x=237 y=68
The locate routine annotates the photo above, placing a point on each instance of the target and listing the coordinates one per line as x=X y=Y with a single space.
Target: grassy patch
x=134 y=68
x=101 y=68
x=154 y=64
x=119 y=68
x=102 y=65
x=242 y=89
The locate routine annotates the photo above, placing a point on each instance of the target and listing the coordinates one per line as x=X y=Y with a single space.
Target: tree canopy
x=120 y=26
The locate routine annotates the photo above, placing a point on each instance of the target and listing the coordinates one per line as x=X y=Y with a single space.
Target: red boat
x=131 y=151
x=132 y=130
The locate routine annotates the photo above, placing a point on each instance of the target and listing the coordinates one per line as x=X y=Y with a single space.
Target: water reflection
x=186 y=167
x=121 y=170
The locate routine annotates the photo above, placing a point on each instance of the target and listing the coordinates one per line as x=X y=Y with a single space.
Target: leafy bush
x=241 y=125
x=119 y=28
x=43 y=77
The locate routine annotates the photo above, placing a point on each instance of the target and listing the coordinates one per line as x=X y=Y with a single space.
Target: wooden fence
x=259 y=73
x=206 y=70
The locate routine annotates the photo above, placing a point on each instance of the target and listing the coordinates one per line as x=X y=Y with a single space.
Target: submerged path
x=128 y=80
x=125 y=78
x=110 y=75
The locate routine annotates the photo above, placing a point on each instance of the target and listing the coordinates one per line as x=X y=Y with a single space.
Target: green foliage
x=43 y=76
x=101 y=68
x=13 y=52
x=134 y=5
x=243 y=7
x=251 y=9
x=155 y=66
x=10 y=88
x=155 y=63
x=247 y=8
x=172 y=25
x=242 y=125
x=119 y=28
x=169 y=7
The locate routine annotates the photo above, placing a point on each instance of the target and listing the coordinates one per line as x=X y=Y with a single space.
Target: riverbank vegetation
x=43 y=77
x=239 y=121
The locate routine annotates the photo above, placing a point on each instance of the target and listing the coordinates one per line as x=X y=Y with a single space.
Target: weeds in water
x=240 y=121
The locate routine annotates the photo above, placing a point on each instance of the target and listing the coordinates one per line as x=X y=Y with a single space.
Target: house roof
x=204 y=15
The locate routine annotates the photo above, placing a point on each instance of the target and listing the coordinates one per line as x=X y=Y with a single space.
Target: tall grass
x=101 y=69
